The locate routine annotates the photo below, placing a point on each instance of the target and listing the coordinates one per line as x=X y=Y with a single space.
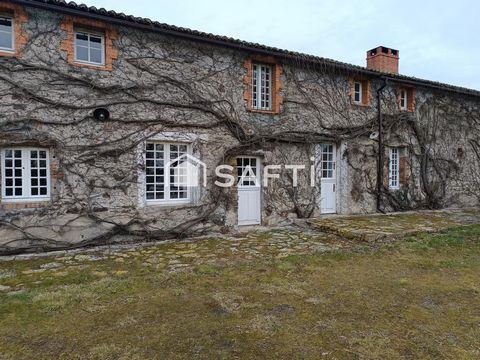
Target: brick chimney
x=383 y=59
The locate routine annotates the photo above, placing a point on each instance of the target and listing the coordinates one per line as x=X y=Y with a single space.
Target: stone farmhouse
x=96 y=108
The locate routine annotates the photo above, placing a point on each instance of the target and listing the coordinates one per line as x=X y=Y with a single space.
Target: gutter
x=380 y=160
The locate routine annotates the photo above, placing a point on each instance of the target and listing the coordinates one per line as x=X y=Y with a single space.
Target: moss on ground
x=418 y=298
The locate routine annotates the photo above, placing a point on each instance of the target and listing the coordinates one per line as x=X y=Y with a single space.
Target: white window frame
x=394 y=169
x=166 y=200
x=359 y=92
x=89 y=33
x=327 y=161
x=248 y=175
x=12 y=49
x=258 y=74
x=26 y=176
x=403 y=99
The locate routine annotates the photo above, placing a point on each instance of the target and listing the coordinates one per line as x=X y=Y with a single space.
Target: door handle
x=333 y=187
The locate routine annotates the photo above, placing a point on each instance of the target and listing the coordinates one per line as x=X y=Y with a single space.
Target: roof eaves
x=148 y=25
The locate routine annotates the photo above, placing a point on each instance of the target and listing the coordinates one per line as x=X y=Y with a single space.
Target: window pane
x=13 y=173
x=5 y=24
x=96 y=56
x=6 y=40
x=82 y=53
x=81 y=39
x=154 y=184
x=95 y=42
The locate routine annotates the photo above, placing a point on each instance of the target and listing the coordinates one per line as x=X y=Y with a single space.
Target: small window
x=166 y=178
x=358 y=92
x=6 y=34
x=247 y=171
x=89 y=48
x=394 y=173
x=327 y=161
x=403 y=99
x=262 y=87
x=25 y=174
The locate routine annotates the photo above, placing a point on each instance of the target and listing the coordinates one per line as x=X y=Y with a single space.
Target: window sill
x=4 y=52
x=11 y=205
x=266 y=112
x=360 y=105
x=101 y=67
x=168 y=204
x=24 y=200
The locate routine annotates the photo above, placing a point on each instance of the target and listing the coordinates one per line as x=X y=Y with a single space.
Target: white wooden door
x=249 y=191
x=328 y=190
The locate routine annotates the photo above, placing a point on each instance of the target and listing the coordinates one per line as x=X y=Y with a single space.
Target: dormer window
x=357 y=92
x=89 y=48
x=6 y=34
x=403 y=99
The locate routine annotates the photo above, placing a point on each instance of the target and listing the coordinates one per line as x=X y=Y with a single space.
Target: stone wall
x=158 y=87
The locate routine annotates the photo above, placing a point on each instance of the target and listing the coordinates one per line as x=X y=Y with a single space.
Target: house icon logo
x=186 y=170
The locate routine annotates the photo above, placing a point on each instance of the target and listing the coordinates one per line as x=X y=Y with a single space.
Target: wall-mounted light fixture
x=101 y=114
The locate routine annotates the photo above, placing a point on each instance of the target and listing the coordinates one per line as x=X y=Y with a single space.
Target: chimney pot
x=383 y=59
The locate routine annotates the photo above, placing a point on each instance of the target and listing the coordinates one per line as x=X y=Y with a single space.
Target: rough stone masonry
x=161 y=86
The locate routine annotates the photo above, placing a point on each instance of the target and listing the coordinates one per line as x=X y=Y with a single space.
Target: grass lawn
x=414 y=299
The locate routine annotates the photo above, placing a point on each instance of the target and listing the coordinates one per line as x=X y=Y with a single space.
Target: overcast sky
x=438 y=40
